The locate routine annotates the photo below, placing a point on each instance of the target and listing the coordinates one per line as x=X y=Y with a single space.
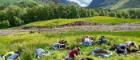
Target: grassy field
x=97 y=19
x=29 y=41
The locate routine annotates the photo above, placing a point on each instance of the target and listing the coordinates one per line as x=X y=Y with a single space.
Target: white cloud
x=82 y=3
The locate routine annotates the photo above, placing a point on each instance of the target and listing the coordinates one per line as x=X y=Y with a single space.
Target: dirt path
x=107 y=28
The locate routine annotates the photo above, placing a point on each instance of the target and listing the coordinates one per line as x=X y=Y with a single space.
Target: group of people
x=88 y=41
x=121 y=49
x=62 y=44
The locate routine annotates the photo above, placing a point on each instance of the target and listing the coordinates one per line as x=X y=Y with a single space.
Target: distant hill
x=132 y=4
x=103 y=3
x=115 y=4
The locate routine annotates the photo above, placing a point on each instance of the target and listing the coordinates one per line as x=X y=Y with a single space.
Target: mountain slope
x=132 y=4
x=105 y=4
x=102 y=3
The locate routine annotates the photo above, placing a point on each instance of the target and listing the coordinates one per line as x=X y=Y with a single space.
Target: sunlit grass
x=97 y=19
x=28 y=42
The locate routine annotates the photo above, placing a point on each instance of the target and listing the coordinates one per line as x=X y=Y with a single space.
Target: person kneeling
x=87 y=41
x=73 y=53
x=102 y=40
x=60 y=45
x=41 y=52
x=132 y=46
x=13 y=55
x=122 y=49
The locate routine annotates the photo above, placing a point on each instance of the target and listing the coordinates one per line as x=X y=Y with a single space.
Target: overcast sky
x=82 y=3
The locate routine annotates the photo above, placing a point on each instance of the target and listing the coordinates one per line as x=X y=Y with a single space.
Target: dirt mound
x=80 y=23
x=76 y=23
x=26 y=27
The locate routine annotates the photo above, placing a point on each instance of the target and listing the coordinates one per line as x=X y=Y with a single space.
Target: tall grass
x=28 y=42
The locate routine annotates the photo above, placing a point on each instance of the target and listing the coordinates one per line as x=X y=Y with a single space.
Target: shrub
x=4 y=24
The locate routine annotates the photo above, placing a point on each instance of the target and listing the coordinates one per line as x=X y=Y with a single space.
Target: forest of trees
x=16 y=15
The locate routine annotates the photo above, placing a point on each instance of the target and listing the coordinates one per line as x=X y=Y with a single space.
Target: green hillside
x=8 y=1
x=13 y=1
x=97 y=19
x=107 y=4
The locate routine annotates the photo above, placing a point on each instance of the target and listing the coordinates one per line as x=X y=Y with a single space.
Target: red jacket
x=74 y=52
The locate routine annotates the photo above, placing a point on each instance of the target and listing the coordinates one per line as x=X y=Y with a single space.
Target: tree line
x=16 y=15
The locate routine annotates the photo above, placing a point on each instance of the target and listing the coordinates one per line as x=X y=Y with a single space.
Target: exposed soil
x=77 y=23
x=80 y=23
x=76 y=26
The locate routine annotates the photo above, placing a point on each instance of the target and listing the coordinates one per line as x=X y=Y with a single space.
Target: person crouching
x=41 y=52
x=73 y=53
x=87 y=41
x=60 y=45
x=13 y=55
